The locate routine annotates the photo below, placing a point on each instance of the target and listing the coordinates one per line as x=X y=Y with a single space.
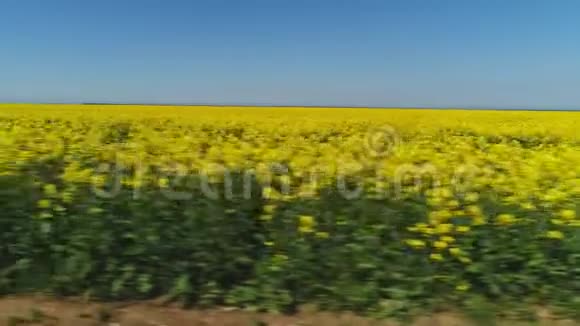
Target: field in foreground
x=381 y=212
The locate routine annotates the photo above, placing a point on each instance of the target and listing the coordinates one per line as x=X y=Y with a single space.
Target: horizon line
x=261 y=105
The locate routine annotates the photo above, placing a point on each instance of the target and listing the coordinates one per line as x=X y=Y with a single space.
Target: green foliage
x=202 y=253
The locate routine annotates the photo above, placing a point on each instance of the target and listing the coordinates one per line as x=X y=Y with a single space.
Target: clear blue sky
x=480 y=53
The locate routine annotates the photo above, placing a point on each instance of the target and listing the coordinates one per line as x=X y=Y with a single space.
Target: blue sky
x=429 y=53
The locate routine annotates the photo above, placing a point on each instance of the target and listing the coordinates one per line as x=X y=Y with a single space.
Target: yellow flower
x=455 y=252
x=434 y=216
x=50 y=190
x=44 y=203
x=421 y=228
x=98 y=180
x=463 y=229
x=266 y=217
x=463 y=286
x=447 y=239
x=322 y=235
x=446 y=193
x=479 y=220
x=444 y=215
x=417 y=244
x=269 y=209
x=505 y=219
x=163 y=182
x=453 y=203
x=268 y=192
x=574 y=223
x=465 y=260
x=551 y=197
x=306 y=223
x=285 y=180
x=443 y=228
x=568 y=214
x=434 y=201
x=436 y=257
x=471 y=197
x=528 y=206
x=557 y=235
x=440 y=244
x=422 y=225
x=473 y=209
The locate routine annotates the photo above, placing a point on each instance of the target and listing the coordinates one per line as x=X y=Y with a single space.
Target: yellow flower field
x=455 y=186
